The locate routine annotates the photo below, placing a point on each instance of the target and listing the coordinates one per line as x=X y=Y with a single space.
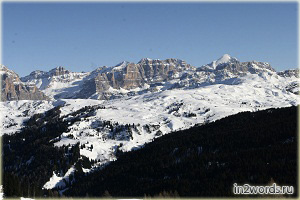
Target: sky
x=84 y=36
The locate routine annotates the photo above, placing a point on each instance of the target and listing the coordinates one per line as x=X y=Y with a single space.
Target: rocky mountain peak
x=123 y=63
x=168 y=61
x=5 y=72
x=120 y=66
x=223 y=60
x=38 y=74
x=35 y=74
x=59 y=71
x=14 y=89
x=145 y=60
x=255 y=66
x=2 y=67
x=227 y=64
x=226 y=58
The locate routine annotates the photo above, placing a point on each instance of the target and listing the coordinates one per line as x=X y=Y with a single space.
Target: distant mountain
x=225 y=59
x=235 y=67
x=57 y=83
x=12 y=88
x=127 y=79
x=228 y=67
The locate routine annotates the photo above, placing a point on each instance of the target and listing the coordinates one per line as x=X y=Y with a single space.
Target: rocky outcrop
x=130 y=75
x=12 y=88
x=289 y=73
x=58 y=71
x=38 y=74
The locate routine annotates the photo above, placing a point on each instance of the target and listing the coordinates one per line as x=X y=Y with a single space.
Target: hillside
x=204 y=161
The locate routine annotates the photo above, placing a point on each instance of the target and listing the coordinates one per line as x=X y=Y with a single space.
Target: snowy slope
x=176 y=109
x=59 y=181
x=14 y=113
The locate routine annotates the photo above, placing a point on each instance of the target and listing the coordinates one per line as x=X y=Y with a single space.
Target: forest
x=30 y=157
x=257 y=148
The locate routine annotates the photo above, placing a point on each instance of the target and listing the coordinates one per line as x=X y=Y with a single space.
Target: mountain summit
x=225 y=59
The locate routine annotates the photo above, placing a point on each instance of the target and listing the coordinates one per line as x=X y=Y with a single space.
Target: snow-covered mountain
x=106 y=82
x=123 y=107
x=225 y=59
x=57 y=83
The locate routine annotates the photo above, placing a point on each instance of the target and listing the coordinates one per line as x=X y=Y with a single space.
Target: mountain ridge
x=127 y=78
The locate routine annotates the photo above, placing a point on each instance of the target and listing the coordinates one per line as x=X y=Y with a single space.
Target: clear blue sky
x=83 y=36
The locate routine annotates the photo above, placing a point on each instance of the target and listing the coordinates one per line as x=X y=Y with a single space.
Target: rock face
x=58 y=74
x=38 y=74
x=292 y=87
x=12 y=88
x=130 y=75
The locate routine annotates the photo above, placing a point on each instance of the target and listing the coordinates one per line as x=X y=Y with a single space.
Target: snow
x=59 y=181
x=165 y=108
x=72 y=105
x=65 y=85
x=224 y=59
x=1 y=192
x=120 y=66
x=14 y=113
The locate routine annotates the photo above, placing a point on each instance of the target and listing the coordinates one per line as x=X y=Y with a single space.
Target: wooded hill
x=204 y=161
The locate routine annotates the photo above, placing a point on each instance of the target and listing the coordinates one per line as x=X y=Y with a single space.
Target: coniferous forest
x=203 y=161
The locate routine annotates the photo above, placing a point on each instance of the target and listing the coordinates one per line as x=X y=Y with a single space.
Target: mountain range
x=126 y=79
x=124 y=107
